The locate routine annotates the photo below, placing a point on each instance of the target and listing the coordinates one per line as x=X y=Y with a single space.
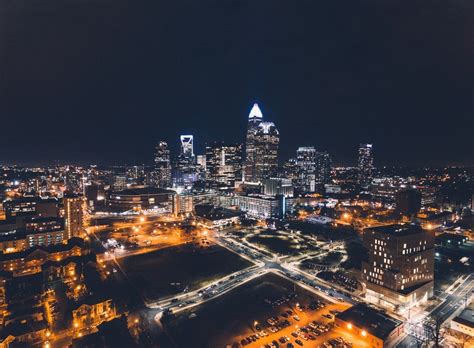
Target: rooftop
x=466 y=317
x=399 y=230
x=373 y=321
x=143 y=191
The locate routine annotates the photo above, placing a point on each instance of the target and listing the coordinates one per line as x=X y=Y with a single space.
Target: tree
x=434 y=330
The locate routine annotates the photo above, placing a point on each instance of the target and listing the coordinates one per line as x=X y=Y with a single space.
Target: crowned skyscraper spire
x=255 y=112
x=261 y=150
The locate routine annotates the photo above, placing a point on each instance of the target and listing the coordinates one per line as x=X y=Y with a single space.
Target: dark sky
x=104 y=80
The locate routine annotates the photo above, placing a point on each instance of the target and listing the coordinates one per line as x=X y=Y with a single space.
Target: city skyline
x=316 y=71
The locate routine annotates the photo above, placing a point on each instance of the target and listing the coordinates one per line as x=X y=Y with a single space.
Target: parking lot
x=295 y=325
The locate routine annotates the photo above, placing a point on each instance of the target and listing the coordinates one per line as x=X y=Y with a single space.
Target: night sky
x=102 y=81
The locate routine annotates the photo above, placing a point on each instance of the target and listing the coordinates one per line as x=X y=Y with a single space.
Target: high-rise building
x=400 y=269
x=365 y=165
x=323 y=168
x=261 y=153
x=187 y=146
x=306 y=162
x=224 y=163
x=162 y=167
x=185 y=171
x=73 y=215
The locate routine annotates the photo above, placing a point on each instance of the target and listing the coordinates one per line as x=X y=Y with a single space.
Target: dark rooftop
x=396 y=229
x=143 y=191
x=373 y=321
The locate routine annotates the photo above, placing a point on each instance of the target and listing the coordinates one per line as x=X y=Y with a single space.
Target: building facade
x=365 y=165
x=223 y=164
x=162 y=166
x=261 y=153
x=73 y=215
x=400 y=269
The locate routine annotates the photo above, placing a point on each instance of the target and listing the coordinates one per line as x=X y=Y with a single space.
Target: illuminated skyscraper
x=261 y=153
x=73 y=215
x=187 y=146
x=306 y=162
x=224 y=163
x=323 y=167
x=366 y=164
x=162 y=170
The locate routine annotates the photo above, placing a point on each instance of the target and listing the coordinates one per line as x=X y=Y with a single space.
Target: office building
x=223 y=164
x=277 y=186
x=322 y=168
x=162 y=166
x=400 y=269
x=73 y=215
x=187 y=146
x=261 y=153
x=365 y=165
x=306 y=163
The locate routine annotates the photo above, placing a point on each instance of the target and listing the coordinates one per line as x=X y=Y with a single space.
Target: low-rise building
x=212 y=217
x=92 y=312
x=374 y=327
x=143 y=198
x=464 y=322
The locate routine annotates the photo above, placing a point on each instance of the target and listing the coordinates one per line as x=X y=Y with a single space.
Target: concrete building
x=400 y=270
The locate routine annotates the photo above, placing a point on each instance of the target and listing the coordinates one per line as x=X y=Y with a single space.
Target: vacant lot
x=169 y=271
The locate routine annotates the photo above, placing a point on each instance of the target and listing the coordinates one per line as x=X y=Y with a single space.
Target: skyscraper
x=366 y=165
x=306 y=162
x=323 y=167
x=185 y=170
x=162 y=169
x=73 y=215
x=187 y=146
x=261 y=153
x=223 y=163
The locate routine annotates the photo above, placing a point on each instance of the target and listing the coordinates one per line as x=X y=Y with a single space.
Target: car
x=282 y=339
x=296 y=317
x=289 y=345
x=289 y=312
x=275 y=344
x=299 y=342
x=294 y=334
x=273 y=329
